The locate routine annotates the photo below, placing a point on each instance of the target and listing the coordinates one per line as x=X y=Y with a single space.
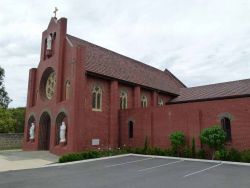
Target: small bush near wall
x=226 y=155
x=245 y=156
x=233 y=155
x=89 y=155
x=177 y=142
x=213 y=137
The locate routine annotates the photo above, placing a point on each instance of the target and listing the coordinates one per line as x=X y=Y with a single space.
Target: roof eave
x=130 y=83
x=209 y=99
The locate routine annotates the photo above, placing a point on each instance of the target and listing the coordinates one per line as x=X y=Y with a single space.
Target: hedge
x=89 y=155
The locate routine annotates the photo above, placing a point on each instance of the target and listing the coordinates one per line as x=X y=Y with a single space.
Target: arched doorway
x=44 y=131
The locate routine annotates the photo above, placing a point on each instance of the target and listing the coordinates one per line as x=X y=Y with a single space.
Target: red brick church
x=82 y=96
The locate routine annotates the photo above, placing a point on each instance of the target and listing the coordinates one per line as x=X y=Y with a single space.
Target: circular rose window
x=50 y=85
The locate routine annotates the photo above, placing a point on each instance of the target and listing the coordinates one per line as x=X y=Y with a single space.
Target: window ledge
x=96 y=110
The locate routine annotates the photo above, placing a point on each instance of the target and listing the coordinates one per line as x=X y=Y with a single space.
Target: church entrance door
x=44 y=131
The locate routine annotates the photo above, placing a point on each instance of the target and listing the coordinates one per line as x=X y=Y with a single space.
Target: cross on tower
x=56 y=9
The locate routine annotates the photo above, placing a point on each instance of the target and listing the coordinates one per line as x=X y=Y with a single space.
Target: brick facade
x=158 y=123
x=87 y=129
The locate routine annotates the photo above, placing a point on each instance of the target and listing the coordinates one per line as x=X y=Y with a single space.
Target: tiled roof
x=214 y=91
x=108 y=63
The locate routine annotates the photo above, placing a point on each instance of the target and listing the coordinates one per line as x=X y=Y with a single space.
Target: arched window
x=130 y=129
x=67 y=90
x=144 y=101
x=160 y=102
x=96 y=99
x=123 y=100
x=226 y=125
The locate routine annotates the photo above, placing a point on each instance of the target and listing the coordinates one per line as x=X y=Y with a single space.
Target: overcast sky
x=199 y=41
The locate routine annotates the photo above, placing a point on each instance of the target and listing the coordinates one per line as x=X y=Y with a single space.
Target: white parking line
x=129 y=162
x=144 y=169
x=190 y=174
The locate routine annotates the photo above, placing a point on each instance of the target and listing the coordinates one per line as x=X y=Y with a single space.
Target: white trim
x=195 y=160
x=70 y=43
x=150 y=168
x=123 y=99
x=98 y=91
x=87 y=160
x=96 y=110
x=129 y=162
x=190 y=174
x=144 y=101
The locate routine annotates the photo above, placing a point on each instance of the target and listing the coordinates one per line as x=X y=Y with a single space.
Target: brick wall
x=10 y=140
x=157 y=123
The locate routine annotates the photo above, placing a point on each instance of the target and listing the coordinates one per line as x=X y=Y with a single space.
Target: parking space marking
x=129 y=162
x=190 y=174
x=150 y=168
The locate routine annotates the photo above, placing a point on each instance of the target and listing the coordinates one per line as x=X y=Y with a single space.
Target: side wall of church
x=157 y=123
x=104 y=125
x=96 y=122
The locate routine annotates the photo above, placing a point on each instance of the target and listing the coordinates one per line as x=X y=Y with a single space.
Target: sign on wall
x=95 y=142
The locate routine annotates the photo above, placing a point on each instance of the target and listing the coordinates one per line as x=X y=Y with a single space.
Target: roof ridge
x=136 y=61
x=220 y=83
x=174 y=77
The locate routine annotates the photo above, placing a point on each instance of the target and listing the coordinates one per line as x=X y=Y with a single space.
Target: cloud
x=201 y=42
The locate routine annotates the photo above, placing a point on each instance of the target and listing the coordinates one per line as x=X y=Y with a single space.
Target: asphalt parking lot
x=131 y=171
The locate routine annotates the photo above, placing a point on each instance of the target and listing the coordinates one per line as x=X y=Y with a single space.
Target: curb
x=194 y=160
x=10 y=150
x=85 y=161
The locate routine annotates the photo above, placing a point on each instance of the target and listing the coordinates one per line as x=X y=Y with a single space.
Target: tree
x=214 y=137
x=12 y=120
x=7 y=123
x=4 y=98
x=177 y=141
x=18 y=115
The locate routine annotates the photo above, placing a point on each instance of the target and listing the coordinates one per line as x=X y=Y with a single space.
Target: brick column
x=31 y=97
x=154 y=98
x=59 y=49
x=137 y=97
x=113 y=123
x=76 y=118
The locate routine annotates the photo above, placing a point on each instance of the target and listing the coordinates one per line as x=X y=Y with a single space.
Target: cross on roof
x=56 y=9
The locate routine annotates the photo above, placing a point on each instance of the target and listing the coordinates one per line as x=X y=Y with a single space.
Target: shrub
x=187 y=152
x=177 y=141
x=7 y=123
x=214 y=137
x=193 y=148
x=89 y=155
x=228 y=155
x=201 y=154
x=145 y=144
x=245 y=156
x=234 y=155
x=158 y=151
x=12 y=120
x=221 y=155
